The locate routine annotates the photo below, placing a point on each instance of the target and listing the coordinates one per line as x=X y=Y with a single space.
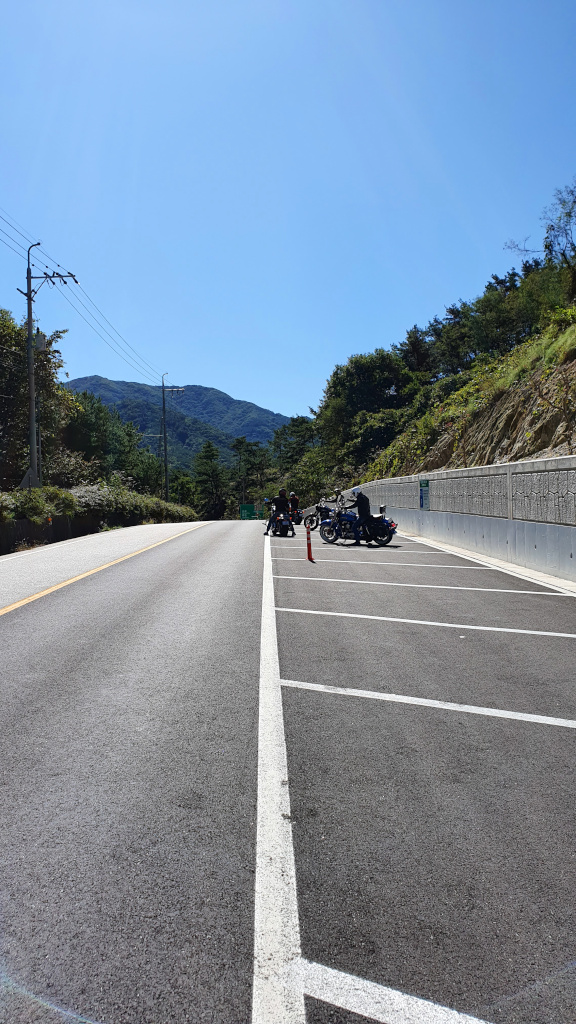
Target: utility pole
x=31 y=478
x=172 y=391
x=165 y=441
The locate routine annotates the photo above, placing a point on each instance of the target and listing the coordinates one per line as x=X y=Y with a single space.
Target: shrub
x=39 y=504
x=7 y=508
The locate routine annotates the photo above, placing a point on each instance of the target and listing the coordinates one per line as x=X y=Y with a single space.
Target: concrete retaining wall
x=522 y=512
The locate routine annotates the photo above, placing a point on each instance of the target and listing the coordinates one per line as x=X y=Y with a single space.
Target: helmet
x=356 y=490
x=292 y=494
x=282 y=490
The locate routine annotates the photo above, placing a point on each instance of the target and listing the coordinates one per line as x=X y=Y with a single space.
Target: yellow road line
x=83 y=575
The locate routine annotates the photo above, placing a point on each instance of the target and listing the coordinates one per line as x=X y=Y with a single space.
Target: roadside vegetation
x=492 y=379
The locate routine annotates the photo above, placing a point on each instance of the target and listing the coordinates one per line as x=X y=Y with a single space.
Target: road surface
x=241 y=788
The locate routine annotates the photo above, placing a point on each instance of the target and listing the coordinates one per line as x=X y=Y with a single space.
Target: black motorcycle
x=341 y=526
x=282 y=525
x=313 y=519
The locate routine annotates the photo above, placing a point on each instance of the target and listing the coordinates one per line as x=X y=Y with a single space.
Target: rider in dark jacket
x=280 y=504
x=362 y=503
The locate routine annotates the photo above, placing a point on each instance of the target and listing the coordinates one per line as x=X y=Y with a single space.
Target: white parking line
x=369 y=561
x=428 y=622
x=468 y=709
x=378 y=1002
x=277 y=993
x=534 y=576
x=421 y=586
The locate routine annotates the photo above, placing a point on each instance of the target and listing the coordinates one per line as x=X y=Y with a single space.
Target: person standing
x=362 y=503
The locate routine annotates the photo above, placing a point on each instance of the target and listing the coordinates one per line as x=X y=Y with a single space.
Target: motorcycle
x=323 y=511
x=282 y=525
x=340 y=526
x=296 y=516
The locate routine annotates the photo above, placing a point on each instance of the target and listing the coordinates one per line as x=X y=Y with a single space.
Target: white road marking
x=277 y=994
x=428 y=622
x=379 y=1003
x=420 y=586
x=368 y=561
x=469 y=709
x=544 y=579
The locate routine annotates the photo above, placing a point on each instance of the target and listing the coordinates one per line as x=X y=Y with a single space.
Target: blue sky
x=253 y=190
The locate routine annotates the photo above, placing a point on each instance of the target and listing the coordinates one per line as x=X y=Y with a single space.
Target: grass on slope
x=486 y=381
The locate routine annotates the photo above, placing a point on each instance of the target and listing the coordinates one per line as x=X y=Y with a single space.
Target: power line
x=153 y=368
x=111 y=336
x=11 y=247
x=131 y=360
x=11 y=222
x=115 y=350
x=16 y=242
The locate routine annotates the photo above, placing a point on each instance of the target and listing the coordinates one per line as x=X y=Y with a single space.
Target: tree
x=292 y=440
x=210 y=483
x=559 y=239
x=108 y=443
x=559 y=244
x=53 y=401
x=253 y=463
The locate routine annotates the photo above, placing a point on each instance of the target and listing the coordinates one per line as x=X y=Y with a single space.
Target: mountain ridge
x=232 y=416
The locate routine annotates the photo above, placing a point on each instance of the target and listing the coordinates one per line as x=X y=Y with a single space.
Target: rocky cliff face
x=535 y=418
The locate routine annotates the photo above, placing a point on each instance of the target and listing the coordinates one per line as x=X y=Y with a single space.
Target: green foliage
x=382 y=411
x=539 y=360
x=7 y=508
x=560 y=319
x=107 y=444
x=53 y=402
x=291 y=441
x=104 y=501
x=210 y=483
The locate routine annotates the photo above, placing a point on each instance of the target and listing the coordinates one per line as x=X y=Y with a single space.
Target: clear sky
x=253 y=190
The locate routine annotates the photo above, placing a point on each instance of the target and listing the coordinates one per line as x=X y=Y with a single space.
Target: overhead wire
x=111 y=336
x=149 y=365
x=12 y=222
x=13 y=249
x=115 y=350
x=144 y=366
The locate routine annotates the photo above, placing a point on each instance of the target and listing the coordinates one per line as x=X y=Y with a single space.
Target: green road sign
x=425 y=495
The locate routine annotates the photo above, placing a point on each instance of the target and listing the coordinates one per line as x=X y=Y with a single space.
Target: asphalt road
x=128 y=789
x=210 y=813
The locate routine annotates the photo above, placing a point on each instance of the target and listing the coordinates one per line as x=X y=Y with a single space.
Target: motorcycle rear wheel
x=382 y=540
x=328 y=533
x=311 y=521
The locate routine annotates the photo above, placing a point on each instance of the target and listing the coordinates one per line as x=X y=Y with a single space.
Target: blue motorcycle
x=341 y=526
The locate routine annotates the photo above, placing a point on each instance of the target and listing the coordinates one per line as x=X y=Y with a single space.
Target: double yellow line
x=83 y=575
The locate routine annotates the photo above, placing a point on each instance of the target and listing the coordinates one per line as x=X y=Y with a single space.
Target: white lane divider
x=277 y=996
x=371 y=561
x=421 y=586
x=428 y=622
x=469 y=709
x=377 y=1002
x=282 y=977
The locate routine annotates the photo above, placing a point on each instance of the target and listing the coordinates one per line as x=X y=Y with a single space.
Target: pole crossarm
x=32 y=478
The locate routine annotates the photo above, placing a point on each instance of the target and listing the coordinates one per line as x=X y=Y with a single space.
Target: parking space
x=433 y=829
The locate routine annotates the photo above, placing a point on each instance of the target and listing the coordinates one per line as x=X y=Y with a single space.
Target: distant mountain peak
x=231 y=416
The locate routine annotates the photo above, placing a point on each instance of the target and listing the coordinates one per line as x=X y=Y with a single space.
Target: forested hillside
x=491 y=379
x=230 y=417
